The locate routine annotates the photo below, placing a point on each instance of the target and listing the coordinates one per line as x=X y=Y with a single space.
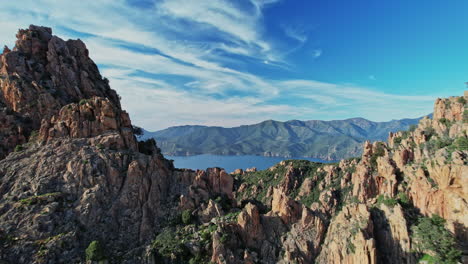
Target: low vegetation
x=94 y=252
x=83 y=101
x=429 y=132
x=388 y=201
x=274 y=176
x=431 y=237
x=33 y=136
x=170 y=245
x=186 y=217
x=19 y=148
x=40 y=198
x=447 y=123
x=379 y=151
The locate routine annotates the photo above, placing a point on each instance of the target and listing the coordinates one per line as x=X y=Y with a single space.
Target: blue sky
x=227 y=63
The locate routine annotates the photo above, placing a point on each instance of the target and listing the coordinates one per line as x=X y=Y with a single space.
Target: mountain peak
x=39 y=76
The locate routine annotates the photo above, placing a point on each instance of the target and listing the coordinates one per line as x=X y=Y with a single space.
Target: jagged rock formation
x=90 y=118
x=84 y=177
x=40 y=75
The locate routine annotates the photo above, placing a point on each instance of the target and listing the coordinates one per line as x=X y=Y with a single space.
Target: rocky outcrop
x=106 y=192
x=220 y=182
x=212 y=183
x=303 y=243
x=392 y=236
x=251 y=226
x=286 y=208
x=91 y=118
x=42 y=74
x=450 y=108
x=445 y=195
x=350 y=238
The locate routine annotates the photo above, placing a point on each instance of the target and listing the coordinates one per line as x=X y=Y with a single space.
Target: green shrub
x=224 y=201
x=379 y=151
x=439 y=143
x=428 y=259
x=34 y=135
x=94 y=251
x=350 y=247
x=19 y=148
x=224 y=238
x=354 y=200
x=198 y=259
x=167 y=244
x=206 y=235
x=83 y=101
x=445 y=122
x=465 y=116
x=432 y=182
x=186 y=217
x=412 y=128
x=429 y=132
x=461 y=100
x=388 y=201
x=39 y=198
x=397 y=141
x=461 y=143
x=403 y=198
x=431 y=236
x=405 y=134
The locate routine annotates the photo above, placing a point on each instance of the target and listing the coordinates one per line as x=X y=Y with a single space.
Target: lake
x=230 y=163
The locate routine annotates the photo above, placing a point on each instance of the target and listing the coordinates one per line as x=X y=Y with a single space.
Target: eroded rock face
x=220 y=181
x=392 y=235
x=41 y=75
x=303 y=243
x=286 y=208
x=90 y=118
x=251 y=226
x=449 y=108
x=212 y=183
x=106 y=192
x=350 y=238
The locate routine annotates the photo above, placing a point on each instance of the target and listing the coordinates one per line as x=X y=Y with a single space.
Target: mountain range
x=328 y=140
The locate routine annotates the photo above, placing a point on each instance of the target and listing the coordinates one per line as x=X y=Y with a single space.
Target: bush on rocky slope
x=430 y=235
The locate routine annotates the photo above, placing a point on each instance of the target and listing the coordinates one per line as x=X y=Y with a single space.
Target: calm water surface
x=229 y=163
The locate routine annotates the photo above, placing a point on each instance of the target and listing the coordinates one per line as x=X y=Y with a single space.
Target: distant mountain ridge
x=329 y=140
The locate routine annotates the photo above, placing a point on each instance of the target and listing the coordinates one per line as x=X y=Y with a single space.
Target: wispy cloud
x=317 y=53
x=360 y=101
x=296 y=32
x=189 y=62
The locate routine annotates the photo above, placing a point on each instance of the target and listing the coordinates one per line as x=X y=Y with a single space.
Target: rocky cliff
x=78 y=187
x=40 y=75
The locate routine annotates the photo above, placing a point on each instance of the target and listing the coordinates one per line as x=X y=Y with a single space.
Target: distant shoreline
x=257 y=155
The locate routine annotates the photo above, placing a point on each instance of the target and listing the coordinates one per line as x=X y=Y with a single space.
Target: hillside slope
x=329 y=140
x=82 y=189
